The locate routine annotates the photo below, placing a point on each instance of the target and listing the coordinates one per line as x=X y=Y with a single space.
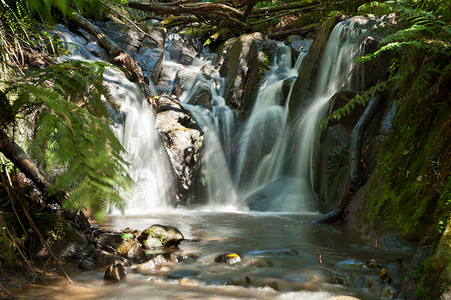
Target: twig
x=349 y=75
x=333 y=273
x=36 y=230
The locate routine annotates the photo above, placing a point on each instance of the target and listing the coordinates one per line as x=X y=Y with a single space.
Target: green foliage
x=424 y=33
x=71 y=134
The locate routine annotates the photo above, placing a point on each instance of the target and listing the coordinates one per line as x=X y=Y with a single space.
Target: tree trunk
x=20 y=159
x=355 y=151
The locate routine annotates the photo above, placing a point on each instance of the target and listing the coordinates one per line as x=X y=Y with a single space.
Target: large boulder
x=131 y=249
x=245 y=62
x=182 y=138
x=159 y=236
x=65 y=241
x=126 y=38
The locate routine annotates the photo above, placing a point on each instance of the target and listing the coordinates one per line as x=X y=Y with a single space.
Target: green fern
x=424 y=35
x=71 y=134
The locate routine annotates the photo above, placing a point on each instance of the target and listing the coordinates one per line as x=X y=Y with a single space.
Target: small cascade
x=336 y=69
x=218 y=127
x=134 y=126
x=135 y=129
x=263 y=141
x=244 y=163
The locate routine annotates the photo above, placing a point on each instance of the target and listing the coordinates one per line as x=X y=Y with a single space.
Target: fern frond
x=75 y=147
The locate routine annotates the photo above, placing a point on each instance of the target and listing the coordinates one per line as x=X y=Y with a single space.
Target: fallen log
x=120 y=57
x=204 y=9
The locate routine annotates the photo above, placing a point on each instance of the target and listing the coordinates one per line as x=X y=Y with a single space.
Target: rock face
x=157 y=236
x=202 y=96
x=245 y=62
x=147 y=49
x=298 y=44
x=182 y=138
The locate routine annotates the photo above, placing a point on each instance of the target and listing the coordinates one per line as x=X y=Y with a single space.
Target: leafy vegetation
x=65 y=104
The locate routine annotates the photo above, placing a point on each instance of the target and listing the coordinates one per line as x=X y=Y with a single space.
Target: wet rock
x=244 y=281
x=182 y=48
x=95 y=49
x=108 y=241
x=188 y=282
x=258 y=262
x=127 y=39
x=131 y=249
x=208 y=71
x=181 y=81
x=103 y=259
x=151 y=61
x=87 y=264
x=276 y=252
x=155 y=38
x=64 y=240
x=115 y=272
x=157 y=236
x=228 y=258
x=152 y=264
x=298 y=44
x=245 y=63
x=183 y=140
x=202 y=96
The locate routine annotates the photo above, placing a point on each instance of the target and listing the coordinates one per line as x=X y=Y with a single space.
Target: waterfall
x=134 y=126
x=246 y=164
x=337 y=63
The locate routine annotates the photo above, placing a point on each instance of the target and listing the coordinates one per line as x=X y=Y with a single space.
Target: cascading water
x=247 y=167
x=134 y=126
x=135 y=129
x=336 y=70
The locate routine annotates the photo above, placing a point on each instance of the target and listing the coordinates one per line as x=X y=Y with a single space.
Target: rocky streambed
x=230 y=255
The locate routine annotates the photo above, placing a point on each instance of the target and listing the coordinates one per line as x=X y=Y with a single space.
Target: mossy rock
x=8 y=259
x=160 y=236
x=245 y=64
x=65 y=241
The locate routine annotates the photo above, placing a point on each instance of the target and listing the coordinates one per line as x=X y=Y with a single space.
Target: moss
x=8 y=258
x=407 y=190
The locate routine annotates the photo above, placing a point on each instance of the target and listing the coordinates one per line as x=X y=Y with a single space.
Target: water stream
x=283 y=256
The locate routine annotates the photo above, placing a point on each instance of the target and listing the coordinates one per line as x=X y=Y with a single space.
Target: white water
x=137 y=133
x=134 y=126
x=339 y=57
x=239 y=159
